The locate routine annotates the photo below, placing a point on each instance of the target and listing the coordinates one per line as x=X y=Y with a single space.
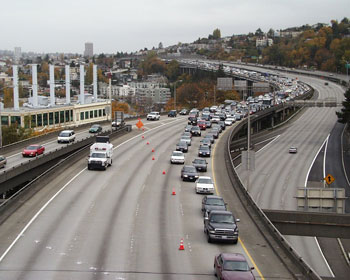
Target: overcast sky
x=131 y=25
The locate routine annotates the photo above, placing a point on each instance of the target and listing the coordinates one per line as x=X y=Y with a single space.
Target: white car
x=177 y=157
x=66 y=136
x=153 y=116
x=205 y=184
x=293 y=150
x=215 y=119
x=230 y=121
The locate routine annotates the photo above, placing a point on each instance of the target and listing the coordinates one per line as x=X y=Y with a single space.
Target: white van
x=66 y=136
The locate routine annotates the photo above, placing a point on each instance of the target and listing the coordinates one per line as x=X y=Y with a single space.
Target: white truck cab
x=101 y=154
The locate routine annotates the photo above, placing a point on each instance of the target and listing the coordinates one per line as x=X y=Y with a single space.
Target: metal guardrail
x=255 y=211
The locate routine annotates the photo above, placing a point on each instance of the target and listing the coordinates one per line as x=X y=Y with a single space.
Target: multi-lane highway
x=124 y=223
x=278 y=174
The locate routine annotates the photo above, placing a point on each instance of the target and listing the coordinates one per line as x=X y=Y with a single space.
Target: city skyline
x=45 y=27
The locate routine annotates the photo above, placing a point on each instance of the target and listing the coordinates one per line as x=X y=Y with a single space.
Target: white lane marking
x=56 y=194
x=307 y=176
x=37 y=214
x=313 y=161
x=342 y=155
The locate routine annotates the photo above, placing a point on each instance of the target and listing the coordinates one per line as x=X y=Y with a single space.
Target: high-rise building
x=17 y=53
x=89 y=49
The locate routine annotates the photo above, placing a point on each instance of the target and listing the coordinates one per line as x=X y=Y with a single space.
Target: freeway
x=123 y=223
x=278 y=174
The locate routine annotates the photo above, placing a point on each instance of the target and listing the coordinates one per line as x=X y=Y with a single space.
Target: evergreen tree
x=344 y=114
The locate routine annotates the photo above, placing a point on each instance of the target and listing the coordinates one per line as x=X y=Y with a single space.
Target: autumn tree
x=152 y=64
x=8 y=97
x=89 y=74
x=173 y=70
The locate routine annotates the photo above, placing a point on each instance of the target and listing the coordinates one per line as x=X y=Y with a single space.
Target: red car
x=202 y=125
x=232 y=266
x=33 y=151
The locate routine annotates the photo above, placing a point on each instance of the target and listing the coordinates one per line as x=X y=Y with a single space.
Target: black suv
x=172 y=113
x=195 y=131
x=182 y=146
x=204 y=151
x=212 y=202
x=189 y=172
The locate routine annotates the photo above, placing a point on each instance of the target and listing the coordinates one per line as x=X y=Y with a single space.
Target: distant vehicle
x=222 y=124
x=101 y=154
x=202 y=125
x=204 y=151
x=206 y=142
x=66 y=136
x=184 y=112
x=293 y=150
x=153 y=116
x=172 y=113
x=188 y=128
x=200 y=164
x=189 y=173
x=96 y=128
x=326 y=83
x=215 y=119
x=215 y=133
x=182 y=146
x=192 y=119
x=207 y=124
x=33 y=151
x=212 y=202
x=232 y=266
x=205 y=184
x=210 y=136
x=221 y=226
x=195 y=131
x=118 y=120
x=177 y=157
x=186 y=139
x=229 y=121
x=3 y=161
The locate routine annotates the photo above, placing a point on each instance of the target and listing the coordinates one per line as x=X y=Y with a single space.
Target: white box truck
x=101 y=154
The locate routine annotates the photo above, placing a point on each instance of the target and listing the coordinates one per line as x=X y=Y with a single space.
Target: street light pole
x=175 y=96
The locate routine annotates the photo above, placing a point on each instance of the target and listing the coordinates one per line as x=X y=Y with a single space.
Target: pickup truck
x=221 y=225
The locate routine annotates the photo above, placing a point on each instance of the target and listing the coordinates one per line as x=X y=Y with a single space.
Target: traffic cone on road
x=147 y=143
x=182 y=247
x=163 y=172
x=152 y=158
x=152 y=150
x=173 y=193
x=143 y=137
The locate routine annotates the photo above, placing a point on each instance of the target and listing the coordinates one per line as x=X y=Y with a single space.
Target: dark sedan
x=195 y=131
x=215 y=133
x=212 y=202
x=189 y=173
x=182 y=146
x=204 y=151
x=210 y=136
x=96 y=128
x=232 y=266
x=200 y=164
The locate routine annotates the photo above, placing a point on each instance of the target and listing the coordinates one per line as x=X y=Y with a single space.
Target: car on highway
x=229 y=121
x=192 y=119
x=222 y=124
x=204 y=151
x=195 y=131
x=202 y=125
x=186 y=139
x=187 y=133
x=66 y=136
x=210 y=136
x=217 y=127
x=95 y=128
x=153 y=116
x=208 y=124
x=204 y=184
x=212 y=202
x=3 y=161
x=293 y=150
x=215 y=133
x=200 y=164
x=177 y=157
x=188 y=128
x=182 y=146
x=221 y=225
x=206 y=142
x=215 y=119
x=189 y=173
x=232 y=266
x=33 y=150
x=172 y=113
x=184 y=112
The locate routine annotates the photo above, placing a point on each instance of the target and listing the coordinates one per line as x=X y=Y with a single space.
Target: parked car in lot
x=95 y=128
x=33 y=150
x=195 y=131
x=221 y=226
x=177 y=157
x=182 y=146
x=153 y=116
x=66 y=136
x=232 y=266
x=212 y=202
x=293 y=150
x=172 y=113
x=200 y=164
x=189 y=173
x=204 y=151
x=3 y=161
x=205 y=184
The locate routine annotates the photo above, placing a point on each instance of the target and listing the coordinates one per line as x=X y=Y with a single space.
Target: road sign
x=347 y=65
x=329 y=179
x=139 y=124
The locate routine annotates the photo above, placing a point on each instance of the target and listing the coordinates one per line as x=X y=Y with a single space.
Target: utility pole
x=175 y=96
x=214 y=95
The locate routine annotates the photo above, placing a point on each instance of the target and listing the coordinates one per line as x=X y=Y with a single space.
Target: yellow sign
x=329 y=179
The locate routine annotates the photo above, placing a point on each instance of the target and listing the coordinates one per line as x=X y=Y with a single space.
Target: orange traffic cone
x=152 y=158
x=152 y=150
x=163 y=172
x=182 y=247
x=143 y=137
x=173 y=193
x=147 y=143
